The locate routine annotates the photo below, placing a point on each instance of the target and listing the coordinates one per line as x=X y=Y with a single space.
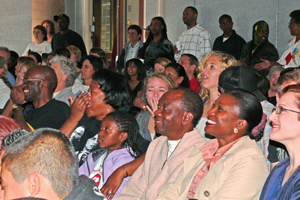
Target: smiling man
x=131 y=48
x=37 y=89
x=179 y=111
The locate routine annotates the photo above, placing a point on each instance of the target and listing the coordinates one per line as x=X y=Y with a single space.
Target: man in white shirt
x=178 y=112
x=195 y=40
x=131 y=48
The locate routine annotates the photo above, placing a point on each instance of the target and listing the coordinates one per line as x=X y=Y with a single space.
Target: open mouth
x=210 y=122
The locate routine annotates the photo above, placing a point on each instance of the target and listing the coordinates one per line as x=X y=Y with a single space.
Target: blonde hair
x=76 y=51
x=226 y=61
x=162 y=61
x=169 y=82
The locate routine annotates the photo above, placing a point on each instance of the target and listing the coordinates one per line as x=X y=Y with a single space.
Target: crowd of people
x=169 y=122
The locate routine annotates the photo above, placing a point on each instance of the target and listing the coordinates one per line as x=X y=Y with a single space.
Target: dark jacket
x=84 y=190
x=233 y=45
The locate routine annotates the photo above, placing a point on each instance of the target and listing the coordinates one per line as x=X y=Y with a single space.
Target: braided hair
x=128 y=124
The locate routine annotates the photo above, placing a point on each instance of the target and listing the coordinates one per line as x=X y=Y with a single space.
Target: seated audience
x=239 y=77
x=108 y=92
x=155 y=85
x=38 y=86
x=40 y=44
x=98 y=52
x=259 y=47
x=12 y=62
x=283 y=182
x=289 y=76
x=273 y=76
x=210 y=67
x=90 y=64
x=177 y=73
x=231 y=166
x=5 y=85
x=135 y=73
x=5 y=53
x=75 y=56
x=22 y=69
x=50 y=28
x=190 y=64
x=178 y=113
x=160 y=64
x=36 y=56
x=49 y=168
x=117 y=139
x=65 y=73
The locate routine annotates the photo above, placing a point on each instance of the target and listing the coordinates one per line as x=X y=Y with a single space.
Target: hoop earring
x=235 y=130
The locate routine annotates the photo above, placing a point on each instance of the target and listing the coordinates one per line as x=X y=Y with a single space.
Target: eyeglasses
x=278 y=110
x=25 y=80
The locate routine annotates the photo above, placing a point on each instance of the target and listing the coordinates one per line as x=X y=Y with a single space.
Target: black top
x=53 y=115
x=233 y=45
x=70 y=38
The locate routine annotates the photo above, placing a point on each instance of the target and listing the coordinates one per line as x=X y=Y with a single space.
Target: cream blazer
x=239 y=174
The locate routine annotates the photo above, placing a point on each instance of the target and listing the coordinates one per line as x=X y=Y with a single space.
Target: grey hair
x=6 y=50
x=67 y=67
x=11 y=138
x=47 y=152
x=273 y=69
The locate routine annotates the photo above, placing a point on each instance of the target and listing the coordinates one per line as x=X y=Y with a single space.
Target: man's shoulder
x=73 y=33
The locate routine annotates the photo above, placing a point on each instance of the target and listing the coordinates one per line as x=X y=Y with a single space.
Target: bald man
x=37 y=88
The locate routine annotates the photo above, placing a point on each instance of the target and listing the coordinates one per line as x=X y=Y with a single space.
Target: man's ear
x=180 y=79
x=1 y=70
x=187 y=118
x=193 y=67
x=34 y=184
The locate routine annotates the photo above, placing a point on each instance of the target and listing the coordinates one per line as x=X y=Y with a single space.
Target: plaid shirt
x=195 y=41
x=132 y=51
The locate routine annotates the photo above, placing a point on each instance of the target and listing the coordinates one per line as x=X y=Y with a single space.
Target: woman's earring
x=235 y=130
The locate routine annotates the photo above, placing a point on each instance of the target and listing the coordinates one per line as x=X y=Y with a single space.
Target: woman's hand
x=265 y=64
x=138 y=102
x=79 y=105
x=113 y=183
x=153 y=106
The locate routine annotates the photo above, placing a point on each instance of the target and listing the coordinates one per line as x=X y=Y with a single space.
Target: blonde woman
x=75 y=56
x=160 y=64
x=210 y=68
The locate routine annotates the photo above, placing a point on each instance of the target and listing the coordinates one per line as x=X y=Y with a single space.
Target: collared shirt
x=211 y=154
x=132 y=51
x=195 y=41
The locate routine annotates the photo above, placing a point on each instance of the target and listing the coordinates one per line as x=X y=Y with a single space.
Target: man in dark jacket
x=229 y=42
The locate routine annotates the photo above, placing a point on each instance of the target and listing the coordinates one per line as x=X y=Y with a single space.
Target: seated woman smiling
x=231 y=166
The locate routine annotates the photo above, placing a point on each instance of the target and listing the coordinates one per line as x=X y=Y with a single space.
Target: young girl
x=117 y=140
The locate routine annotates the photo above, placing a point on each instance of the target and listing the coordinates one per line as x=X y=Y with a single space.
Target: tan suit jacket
x=239 y=174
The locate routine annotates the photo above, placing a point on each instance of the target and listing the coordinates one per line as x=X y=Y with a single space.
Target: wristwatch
x=16 y=105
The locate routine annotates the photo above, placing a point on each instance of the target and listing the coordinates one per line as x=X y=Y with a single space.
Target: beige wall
x=46 y=9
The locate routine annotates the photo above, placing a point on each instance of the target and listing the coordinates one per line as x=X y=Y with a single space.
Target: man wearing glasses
x=38 y=87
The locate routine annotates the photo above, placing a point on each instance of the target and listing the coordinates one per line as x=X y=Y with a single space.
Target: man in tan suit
x=179 y=110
